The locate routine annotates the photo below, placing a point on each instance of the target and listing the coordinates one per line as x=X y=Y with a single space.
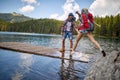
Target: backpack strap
x=87 y=17
x=91 y=24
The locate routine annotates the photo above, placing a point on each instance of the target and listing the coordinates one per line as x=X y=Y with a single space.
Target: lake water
x=21 y=66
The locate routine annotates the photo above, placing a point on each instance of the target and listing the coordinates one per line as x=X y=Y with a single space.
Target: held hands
x=77 y=31
x=61 y=33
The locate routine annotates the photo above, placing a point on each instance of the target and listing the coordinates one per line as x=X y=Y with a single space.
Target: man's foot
x=62 y=50
x=103 y=52
x=71 y=49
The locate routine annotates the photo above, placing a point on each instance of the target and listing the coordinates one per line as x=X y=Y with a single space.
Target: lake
x=22 y=66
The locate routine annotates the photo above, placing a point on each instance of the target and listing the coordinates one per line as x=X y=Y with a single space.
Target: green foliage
x=110 y=26
x=48 y=26
x=3 y=25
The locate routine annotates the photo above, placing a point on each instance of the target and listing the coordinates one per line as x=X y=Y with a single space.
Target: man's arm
x=62 y=27
x=75 y=27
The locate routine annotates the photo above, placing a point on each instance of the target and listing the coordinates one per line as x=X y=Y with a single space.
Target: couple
x=85 y=27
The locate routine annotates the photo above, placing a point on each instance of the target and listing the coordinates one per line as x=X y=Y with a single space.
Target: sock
x=101 y=49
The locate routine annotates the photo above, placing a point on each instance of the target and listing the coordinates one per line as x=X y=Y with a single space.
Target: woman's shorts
x=84 y=31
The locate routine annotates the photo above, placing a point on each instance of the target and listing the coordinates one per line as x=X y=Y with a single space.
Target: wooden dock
x=40 y=50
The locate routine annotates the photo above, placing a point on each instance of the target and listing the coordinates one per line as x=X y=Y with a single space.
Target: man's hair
x=74 y=18
x=71 y=14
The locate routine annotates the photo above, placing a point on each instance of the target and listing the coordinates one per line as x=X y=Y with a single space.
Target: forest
x=110 y=26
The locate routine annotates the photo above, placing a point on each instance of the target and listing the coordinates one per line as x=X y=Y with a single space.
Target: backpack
x=91 y=24
x=89 y=19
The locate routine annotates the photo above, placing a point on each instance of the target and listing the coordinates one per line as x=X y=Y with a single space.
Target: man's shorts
x=68 y=34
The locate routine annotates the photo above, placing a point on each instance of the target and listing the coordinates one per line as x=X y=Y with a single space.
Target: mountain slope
x=13 y=17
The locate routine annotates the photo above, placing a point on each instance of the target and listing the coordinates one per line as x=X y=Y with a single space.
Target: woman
x=85 y=18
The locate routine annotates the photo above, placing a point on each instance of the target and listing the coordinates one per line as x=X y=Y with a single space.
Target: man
x=67 y=30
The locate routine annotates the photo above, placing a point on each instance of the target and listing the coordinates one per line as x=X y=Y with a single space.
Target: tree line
x=48 y=26
x=110 y=26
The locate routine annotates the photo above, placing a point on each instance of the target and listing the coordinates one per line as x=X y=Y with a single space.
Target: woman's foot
x=103 y=52
x=72 y=51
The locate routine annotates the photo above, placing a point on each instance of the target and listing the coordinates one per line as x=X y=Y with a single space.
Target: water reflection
x=44 y=68
x=67 y=69
x=24 y=64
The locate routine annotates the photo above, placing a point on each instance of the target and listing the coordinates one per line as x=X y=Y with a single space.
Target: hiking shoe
x=103 y=52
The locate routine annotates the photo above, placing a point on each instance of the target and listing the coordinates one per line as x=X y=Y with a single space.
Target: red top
x=90 y=17
x=85 y=25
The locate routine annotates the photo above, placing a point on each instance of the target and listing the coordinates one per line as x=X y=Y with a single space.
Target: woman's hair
x=84 y=11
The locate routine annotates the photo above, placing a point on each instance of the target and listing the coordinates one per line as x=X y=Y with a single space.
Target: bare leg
x=71 y=44
x=90 y=36
x=63 y=45
x=96 y=43
x=79 y=36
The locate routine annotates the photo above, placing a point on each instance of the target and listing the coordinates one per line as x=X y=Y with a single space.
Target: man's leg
x=63 y=45
x=63 y=41
x=71 y=44
x=70 y=36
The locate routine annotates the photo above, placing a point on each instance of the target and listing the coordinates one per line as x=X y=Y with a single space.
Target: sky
x=59 y=9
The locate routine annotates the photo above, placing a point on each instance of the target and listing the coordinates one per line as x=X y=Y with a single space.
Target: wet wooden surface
x=44 y=51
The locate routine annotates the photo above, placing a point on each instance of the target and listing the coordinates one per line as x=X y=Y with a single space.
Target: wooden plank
x=38 y=50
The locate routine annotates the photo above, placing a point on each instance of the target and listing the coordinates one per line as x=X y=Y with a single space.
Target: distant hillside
x=110 y=26
x=14 y=17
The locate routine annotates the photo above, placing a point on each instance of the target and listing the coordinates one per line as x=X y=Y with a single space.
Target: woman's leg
x=79 y=36
x=90 y=36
